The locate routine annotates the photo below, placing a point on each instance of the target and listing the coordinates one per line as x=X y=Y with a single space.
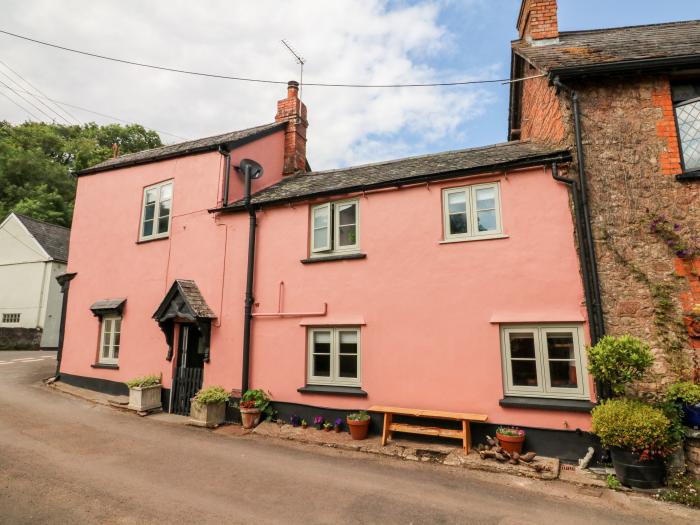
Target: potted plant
x=304 y=423
x=639 y=436
x=687 y=395
x=338 y=424
x=510 y=439
x=252 y=405
x=295 y=421
x=144 y=393
x=318 y=422
x=358 y=423
x=327 y=426
x=208 y=407
x=619 y=361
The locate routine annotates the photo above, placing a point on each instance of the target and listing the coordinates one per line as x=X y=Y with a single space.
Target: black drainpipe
x=227 y=171
x=597 y=319
x=248 y=317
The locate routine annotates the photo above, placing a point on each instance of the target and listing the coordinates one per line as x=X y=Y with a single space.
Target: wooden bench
x=463 y=434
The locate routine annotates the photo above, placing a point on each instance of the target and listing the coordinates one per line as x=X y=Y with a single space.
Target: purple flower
x=669 y=242
x=677 y=227
x=338 y=421
x=318 y=420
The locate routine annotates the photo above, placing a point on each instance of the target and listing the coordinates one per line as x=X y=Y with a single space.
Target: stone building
x=626 y=102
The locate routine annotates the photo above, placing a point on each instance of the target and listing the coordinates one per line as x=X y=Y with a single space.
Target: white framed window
x=156 y=213
x=471 y=212
x=544 y=361
x=334 y=356
x=11 y=318
x=335 y=227
x=110 y=339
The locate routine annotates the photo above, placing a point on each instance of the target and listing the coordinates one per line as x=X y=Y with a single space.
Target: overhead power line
x=52 y=119
x=111 y=117
x=23 y=89
x=260 y=80
x=28 y=83
x=20 y=106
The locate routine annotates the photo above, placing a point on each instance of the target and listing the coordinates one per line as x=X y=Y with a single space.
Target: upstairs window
x=110 y=339
x=335 y=228
x=157 y=211
x=10 y=318
x=471 y=212
x=334 y=357
x=543 y=361
x=686 y=104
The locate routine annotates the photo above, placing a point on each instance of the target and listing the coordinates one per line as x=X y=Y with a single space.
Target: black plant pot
x=633 y=472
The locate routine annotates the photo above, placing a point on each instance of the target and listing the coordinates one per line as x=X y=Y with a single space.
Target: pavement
x=66 y=460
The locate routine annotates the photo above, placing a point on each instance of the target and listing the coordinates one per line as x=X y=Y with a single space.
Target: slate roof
x=621 y=47
x=191 y=294
x=54 y=239
x=106 y=305
x=232 y=139
x=409 y=170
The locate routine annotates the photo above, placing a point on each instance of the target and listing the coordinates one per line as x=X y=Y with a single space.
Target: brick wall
x=541 y=115
x=669 y=157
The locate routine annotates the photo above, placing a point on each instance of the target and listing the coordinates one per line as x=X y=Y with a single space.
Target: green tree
x=38 y=162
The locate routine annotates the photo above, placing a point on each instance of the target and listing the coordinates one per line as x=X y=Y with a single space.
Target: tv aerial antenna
x=299 y=60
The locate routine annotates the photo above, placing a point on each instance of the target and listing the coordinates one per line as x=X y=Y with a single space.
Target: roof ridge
x=605 y=29
x=40 y=220
x=413 y=157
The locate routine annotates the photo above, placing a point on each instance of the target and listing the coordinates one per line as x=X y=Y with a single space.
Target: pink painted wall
x=429 y=340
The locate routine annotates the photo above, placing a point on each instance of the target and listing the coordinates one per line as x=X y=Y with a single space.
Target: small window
x=543 y=361
x=686 y=104
x=10 y=318
x=110 y=339
x=157 y=211
x=471 y=212
x=335 y=228
x=334 y=356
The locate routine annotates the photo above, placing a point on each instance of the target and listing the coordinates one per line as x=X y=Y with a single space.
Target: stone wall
x=20 y=338
x=692 y=453
x=631 y=160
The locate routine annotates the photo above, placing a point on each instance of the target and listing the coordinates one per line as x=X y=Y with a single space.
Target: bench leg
x=466 y=437
x=386 y=433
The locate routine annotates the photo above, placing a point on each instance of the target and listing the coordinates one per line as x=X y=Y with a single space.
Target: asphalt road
x=65 y=460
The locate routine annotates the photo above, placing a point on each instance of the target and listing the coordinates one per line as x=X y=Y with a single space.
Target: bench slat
x=426 y=431
x=437 y=414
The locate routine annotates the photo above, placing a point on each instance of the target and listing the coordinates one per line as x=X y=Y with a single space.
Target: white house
x=32 y=254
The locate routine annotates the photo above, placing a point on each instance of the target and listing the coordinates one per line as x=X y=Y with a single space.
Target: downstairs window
x=334 y=356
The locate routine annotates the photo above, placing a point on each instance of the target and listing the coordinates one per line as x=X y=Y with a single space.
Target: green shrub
x=143 y=382
x=362 y=415
x=619 y=361
x=211 y=395
x=633 y=425
x=613 y=482
x=683 y=392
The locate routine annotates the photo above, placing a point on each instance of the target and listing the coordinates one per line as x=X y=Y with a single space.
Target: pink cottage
x=448 y=281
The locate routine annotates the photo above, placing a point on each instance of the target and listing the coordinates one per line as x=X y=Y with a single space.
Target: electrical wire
x=41 y=93
x=52 y=119
x=111 y=117
x=260 y=80
x=20 y=106
x=21 y=88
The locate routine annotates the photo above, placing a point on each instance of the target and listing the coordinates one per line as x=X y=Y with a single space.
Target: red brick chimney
x=293 y=111
x=538 y=20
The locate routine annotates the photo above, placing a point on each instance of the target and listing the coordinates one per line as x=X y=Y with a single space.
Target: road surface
x=65 y=460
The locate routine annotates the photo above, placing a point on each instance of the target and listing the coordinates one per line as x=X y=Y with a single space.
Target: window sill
x=338 y=257
x=108 y=366
x=333 y=390
x=688 y=176
x=479 y=238
x=144 y=241
x=569 y=405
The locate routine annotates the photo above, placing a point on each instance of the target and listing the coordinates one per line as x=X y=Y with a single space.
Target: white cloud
x=342 y=41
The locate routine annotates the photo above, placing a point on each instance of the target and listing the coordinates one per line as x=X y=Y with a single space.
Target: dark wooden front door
x=189 y=371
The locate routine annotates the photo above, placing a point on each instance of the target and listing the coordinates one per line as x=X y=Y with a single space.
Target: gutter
x=560 y=156
x=628 y=66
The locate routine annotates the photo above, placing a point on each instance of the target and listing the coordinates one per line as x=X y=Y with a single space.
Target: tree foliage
x=38 y=162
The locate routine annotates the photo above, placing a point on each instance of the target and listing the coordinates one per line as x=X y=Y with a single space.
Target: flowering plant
x=295 y=420
x=338 y=421
x=318 y=422
x=669 y=233
x=510 y=432
x=247 y=404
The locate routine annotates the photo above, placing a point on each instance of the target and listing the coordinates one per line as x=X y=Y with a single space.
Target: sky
x=359 y=41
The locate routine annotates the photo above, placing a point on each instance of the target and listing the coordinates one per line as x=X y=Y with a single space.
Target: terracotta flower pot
x=511 y=443
x=304 y=425
x=250 y=417
x=358 y=429
x=326 y=429
x=336 y=428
